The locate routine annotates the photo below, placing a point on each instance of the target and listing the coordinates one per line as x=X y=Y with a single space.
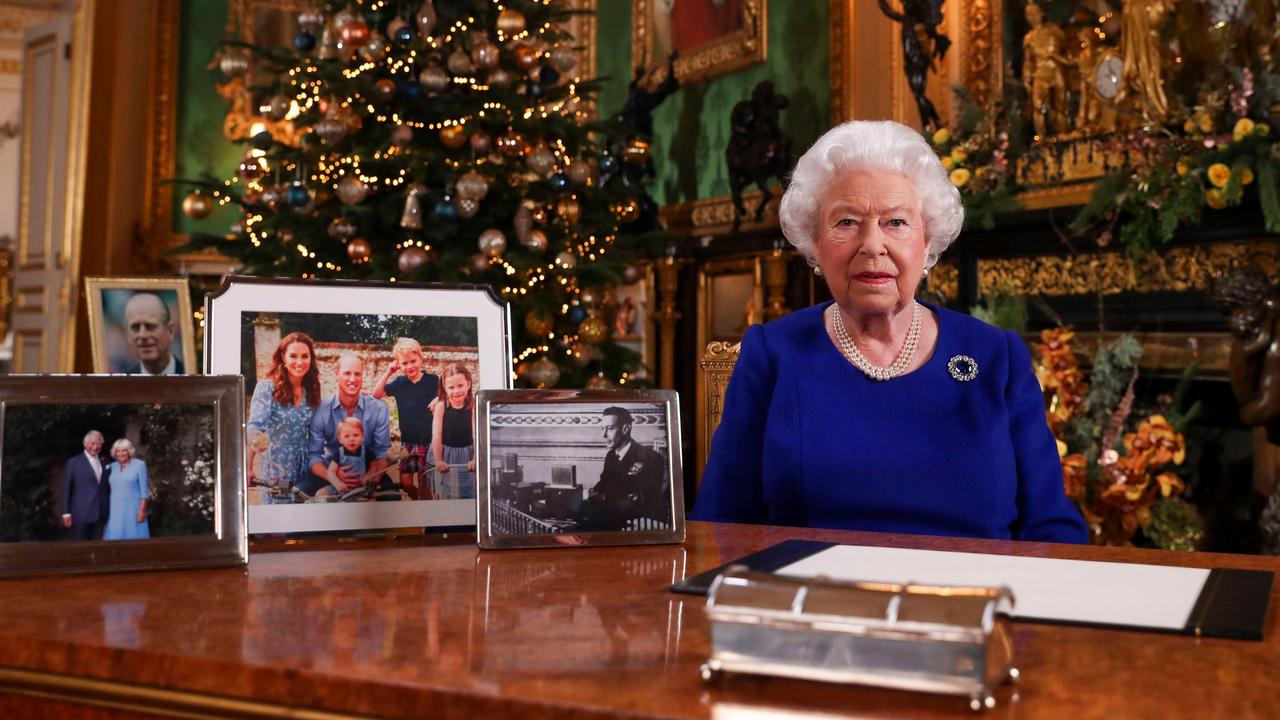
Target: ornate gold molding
x=837 y=46
x=1176 y=270
x=714 y=216
x=734 y=51
x=983 y=61
x=1163 y=353
x=716 y=368
x=16 y=18
x=157 y=236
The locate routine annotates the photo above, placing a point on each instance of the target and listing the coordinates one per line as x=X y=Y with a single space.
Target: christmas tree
x=407 y=140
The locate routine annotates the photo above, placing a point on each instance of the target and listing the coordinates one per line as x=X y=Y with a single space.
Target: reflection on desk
x=380 y=628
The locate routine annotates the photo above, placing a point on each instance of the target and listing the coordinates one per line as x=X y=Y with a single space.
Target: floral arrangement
x=977 y=159
x=1124 y=483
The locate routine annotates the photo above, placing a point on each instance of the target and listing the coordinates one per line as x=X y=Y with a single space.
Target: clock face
x=1107 y=74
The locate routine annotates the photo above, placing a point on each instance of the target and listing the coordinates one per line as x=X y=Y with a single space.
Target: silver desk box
x=952 y=640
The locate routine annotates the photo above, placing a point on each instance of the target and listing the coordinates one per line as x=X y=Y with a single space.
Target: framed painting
x=708 y=37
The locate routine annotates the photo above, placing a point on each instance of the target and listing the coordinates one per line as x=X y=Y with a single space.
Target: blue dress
x=128 y=490
x=287 y=430
x=806 y=439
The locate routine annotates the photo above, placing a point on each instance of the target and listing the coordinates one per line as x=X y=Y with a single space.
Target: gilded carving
x=717 y=367
x=1176 y=270
x=981 y=67
x=713 y=216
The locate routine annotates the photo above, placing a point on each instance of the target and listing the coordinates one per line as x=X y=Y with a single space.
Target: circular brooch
x=962 y=368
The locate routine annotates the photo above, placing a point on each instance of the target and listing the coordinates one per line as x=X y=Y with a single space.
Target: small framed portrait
x=708 y=38
x=578 y=467
x=141 y=326
x=360 y=397
x=102 y=474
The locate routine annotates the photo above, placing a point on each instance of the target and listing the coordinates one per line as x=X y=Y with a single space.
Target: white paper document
x=1076 y=591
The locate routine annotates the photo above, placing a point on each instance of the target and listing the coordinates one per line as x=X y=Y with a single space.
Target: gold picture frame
x=742 y=38
x=109 y=336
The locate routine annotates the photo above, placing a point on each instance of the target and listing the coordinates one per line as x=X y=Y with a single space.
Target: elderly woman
x=876 y=411
x=127 y=518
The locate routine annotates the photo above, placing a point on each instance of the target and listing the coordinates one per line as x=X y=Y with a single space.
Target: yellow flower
x=1205 y=122
x=1246 y=176
x=1243 y=129
x=1262 y=129
x=1062 y=449
x=1189 y=125
x=941 y=136
x=948 y=163
x=959 y=177
x=1183 y=166
x=959 y=155
x=1213 y=198
x=1219 y=174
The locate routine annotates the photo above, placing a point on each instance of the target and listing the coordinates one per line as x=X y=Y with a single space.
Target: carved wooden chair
x=716 y=365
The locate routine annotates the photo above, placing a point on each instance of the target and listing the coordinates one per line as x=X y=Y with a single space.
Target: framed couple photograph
x=101 y=474
x=360 y=398
x=141 y=326
x=578 y=467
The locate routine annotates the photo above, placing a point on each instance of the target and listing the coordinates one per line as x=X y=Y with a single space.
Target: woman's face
x=121 y=455
x=870 y=242
x=456 y=388
x=297 y=359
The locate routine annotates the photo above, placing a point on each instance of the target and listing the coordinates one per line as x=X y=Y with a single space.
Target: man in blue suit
x=86 y=494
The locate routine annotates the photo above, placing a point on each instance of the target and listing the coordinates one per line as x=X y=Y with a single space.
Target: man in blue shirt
x=348 y=402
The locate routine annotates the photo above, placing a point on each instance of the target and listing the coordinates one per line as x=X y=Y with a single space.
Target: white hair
x=91 y=434
x=871 y=146
x=122 y=444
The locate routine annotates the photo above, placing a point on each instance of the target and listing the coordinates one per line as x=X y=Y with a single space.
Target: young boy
x=414 y=391
x=351 y=455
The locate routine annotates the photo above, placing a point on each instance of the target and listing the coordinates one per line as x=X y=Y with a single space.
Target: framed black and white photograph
x=579 y=467
x=115 y=473
x=360 y=397
x=141 y=325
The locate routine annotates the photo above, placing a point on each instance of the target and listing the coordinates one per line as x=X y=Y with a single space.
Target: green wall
x=201 y=150
x=692 y=127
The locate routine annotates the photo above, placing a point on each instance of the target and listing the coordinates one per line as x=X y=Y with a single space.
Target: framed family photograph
x=141 y=326
x=101 y=474
x=360 y=397
x=578 y=467
x=708 y=38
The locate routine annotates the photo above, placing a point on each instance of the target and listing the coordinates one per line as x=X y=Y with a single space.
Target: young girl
x=451 y=436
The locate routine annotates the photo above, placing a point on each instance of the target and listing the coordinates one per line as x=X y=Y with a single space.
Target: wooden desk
x=379 y=629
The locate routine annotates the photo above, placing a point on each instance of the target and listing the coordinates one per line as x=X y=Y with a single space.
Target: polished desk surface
x=377 y=628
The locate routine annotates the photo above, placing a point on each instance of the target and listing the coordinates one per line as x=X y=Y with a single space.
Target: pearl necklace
x=860 y=361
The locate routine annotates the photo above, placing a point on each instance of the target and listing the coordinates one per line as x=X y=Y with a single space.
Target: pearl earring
x=817 y=271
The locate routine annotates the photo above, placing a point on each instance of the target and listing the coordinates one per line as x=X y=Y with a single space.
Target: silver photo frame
x=249 y=323
x=564 y=468
x=190 y=503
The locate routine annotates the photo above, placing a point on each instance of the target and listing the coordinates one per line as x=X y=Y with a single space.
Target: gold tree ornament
x=569 y=209
x=538 y=323
x=453 y=136
x=593 y=330
x=511 y=22
x=543 y=373
x=359 y=250
x=197 y=205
